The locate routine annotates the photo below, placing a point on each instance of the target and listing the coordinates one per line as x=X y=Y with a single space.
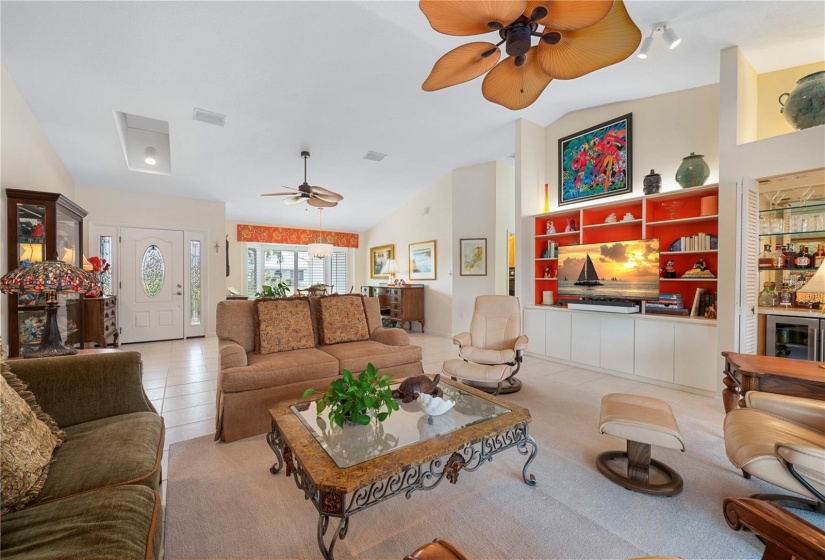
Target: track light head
x=645 y=48
x=671 y=38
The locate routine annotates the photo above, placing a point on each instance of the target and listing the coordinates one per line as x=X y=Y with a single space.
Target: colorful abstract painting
x=596 y=162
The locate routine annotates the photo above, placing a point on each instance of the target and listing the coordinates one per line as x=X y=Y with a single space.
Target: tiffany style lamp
x=51 y=278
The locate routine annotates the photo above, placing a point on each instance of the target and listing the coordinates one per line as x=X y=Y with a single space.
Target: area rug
x=222 y=501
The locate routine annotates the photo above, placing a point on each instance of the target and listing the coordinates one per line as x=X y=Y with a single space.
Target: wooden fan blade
x=580 y=52
x=279 y=194
x=321 y=192
x=470 y=17
x=461 y=65
x=297 y=199
x=504 y=83
x=564 y=15
x=321 y=203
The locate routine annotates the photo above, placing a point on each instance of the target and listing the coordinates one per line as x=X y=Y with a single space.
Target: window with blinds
x=338 y=273
x=266 y=265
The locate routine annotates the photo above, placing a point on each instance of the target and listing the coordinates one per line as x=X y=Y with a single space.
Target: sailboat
x=588 y=276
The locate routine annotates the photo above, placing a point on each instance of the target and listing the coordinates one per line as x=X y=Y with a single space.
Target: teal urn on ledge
x=693 y=172
x=804 y=107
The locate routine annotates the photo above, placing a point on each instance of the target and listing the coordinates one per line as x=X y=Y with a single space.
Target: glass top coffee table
x=345 y=470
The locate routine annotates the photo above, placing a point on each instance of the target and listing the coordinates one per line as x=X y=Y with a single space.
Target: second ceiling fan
x=318 y=197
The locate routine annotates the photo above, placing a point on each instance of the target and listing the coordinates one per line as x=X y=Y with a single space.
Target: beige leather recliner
x=781 y=439
x=493 y=347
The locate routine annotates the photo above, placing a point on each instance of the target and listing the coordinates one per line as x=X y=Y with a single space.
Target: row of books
x=668 y=304
x=698 y=242
x=701 y=301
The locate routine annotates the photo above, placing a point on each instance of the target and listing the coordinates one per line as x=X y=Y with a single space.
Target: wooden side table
x=746 y=372
x=101 y=321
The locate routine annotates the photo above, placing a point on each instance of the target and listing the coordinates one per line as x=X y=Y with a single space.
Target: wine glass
x=672 y=206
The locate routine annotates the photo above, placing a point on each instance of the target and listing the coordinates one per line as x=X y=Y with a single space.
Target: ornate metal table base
x=426 y=476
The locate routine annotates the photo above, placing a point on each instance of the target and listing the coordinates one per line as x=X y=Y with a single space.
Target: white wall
x=237 y=259
x=27 y=161
x=409 y=225
x=134 y=209
x=474 y=216
x=530 y=180
x=505 y=223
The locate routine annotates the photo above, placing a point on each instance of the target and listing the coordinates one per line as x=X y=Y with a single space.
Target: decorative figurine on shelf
x=670 y=270
x=550 y=227
x=710 y=312
x=547 y=272
x=628 y=217
x=571 y=225
x=37 y=232
x=611 y=219
x=699 y=270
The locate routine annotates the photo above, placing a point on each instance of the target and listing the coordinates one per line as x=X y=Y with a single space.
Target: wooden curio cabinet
x=40 y=226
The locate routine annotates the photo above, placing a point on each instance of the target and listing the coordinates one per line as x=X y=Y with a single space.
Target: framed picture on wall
x=596 y=162
x=473 y=257
x=378 y=258
x=422 y=260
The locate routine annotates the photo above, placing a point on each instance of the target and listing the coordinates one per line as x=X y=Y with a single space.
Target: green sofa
x=101 y=498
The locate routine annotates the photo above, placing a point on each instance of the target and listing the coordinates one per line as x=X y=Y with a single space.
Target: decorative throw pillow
x=28 y=437
x=282 y=324
x=341 y=318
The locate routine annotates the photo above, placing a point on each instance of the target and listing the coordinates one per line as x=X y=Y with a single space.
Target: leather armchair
x=491 y=352
x=781 y=439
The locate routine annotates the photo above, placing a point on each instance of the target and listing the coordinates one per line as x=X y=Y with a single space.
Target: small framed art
x=473 y=257
x=378 y=258
x=422 y=260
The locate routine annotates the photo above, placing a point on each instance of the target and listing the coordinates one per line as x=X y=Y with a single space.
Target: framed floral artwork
x=422 y=260
x=378 y=258
x=596 y=162
x=473 y=257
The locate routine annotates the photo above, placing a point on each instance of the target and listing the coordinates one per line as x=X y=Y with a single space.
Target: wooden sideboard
x=746 y=372
x=100 y=320
x=400 y=304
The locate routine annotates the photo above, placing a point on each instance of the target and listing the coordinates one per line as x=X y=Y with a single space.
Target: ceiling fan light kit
x=573 y=39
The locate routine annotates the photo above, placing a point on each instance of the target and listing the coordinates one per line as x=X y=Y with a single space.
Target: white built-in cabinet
x=670 y=350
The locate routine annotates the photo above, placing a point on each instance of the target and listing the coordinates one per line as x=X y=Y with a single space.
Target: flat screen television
x=612 y=270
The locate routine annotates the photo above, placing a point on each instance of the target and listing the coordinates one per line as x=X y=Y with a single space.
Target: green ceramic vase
x=804 y=107
x=693 y=172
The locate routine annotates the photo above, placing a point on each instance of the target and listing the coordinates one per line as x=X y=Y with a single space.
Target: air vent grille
x=209 y=117
x=374 y=156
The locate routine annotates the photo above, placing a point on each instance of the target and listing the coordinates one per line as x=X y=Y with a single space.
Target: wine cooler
x=795 y=337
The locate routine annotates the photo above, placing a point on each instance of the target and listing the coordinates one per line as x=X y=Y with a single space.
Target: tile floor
x=180 y=378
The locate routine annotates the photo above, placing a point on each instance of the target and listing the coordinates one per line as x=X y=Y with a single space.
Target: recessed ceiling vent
x=209 y=117
x=374 y=156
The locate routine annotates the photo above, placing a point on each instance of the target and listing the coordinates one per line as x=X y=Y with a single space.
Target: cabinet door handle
x=178 y=293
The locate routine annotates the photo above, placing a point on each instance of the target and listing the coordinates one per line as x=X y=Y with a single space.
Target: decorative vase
x=804 y=107
x=652 y=182
x=693 y=172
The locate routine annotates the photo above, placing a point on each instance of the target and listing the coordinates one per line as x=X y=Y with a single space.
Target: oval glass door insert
x=152 y=270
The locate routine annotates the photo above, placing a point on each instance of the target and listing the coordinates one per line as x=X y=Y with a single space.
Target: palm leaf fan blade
x=279 y=194
x=504 y=83
x=580 y=52
x=460 y=65
x=297 y=199
x=321 y=192
x=469 y=17
x=566 y=15
x=321 y=203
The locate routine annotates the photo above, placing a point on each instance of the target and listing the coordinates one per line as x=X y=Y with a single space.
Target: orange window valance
x=294 y=236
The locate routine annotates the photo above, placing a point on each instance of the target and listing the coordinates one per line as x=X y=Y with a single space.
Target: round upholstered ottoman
x=643 y=422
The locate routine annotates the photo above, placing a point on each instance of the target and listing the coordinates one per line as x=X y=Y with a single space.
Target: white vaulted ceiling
x=337 y=78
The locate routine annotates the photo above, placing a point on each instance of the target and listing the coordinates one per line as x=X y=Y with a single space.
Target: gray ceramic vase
x=693 y=172
x=652 y=182
x=804 y=107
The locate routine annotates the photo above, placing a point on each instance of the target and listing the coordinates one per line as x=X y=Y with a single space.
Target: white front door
x=151 y=295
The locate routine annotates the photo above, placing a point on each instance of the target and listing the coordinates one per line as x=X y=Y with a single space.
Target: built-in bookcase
x=637 y=218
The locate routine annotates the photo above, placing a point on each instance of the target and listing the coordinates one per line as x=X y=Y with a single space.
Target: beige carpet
x=222 y=501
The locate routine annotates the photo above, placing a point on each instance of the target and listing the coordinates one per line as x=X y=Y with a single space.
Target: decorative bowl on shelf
x=672 y=206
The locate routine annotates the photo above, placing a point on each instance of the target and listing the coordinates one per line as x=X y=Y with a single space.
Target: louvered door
x=749 y=252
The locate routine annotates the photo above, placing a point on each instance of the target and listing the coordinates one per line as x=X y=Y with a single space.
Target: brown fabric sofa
x=250 y=384
x=101 y=496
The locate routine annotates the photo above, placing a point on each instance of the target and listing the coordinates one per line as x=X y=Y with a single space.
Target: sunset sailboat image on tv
x=588 y=276
x=626 y=270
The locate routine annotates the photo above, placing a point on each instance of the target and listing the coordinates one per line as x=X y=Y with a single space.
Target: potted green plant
x=279 y=289
x=354 y=398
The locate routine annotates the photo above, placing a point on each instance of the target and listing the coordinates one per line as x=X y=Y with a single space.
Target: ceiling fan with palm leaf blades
x=318 y=197
x=576 y=38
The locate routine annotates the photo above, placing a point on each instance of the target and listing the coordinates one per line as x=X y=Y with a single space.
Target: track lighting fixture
x=669 y=36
